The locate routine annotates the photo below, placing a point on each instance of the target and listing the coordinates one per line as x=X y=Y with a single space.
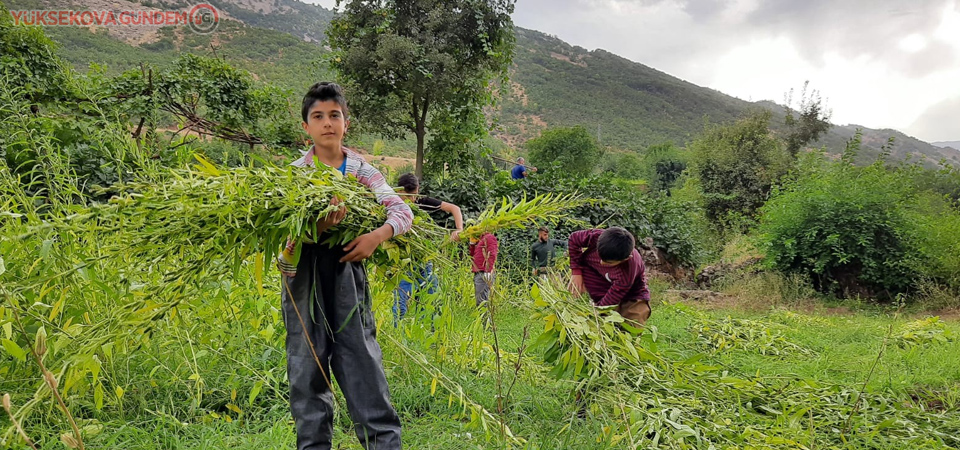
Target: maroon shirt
x=484 y=253
x=607 y=285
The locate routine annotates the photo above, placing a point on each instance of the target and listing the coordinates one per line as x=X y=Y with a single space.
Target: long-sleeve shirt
x=543 y=252
x=607 y=285
x=399 y=215
x=484 y=253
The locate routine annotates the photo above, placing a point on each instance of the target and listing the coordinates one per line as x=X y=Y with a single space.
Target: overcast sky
x=878 y=63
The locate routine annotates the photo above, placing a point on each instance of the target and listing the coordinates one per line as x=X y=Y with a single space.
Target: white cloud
x=949 y=29
x=329 y=4
x=939 y=123
x=879 y=63
x=913 y=43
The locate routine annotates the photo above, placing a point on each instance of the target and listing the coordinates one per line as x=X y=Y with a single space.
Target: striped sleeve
x=576 y=243
x=399 y=215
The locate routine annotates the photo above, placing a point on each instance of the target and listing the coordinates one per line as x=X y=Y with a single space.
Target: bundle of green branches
x=227 y=215
x=671 y=400
x=523 y=213
x=202 y=223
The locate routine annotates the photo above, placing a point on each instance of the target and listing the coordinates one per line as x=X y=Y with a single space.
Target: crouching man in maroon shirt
x=606 y=265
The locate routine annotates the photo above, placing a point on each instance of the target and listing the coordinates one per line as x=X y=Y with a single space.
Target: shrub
x=860 y=230
x=945 y=180
x=624 y=165
x=574 y=149
x=663 y=165
x=29 y=61
x=842 y=225
x=465 y=188
x=736 y=167
x=935 y=225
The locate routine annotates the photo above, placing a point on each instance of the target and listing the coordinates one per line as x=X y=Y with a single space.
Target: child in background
x=606 y=265
x=423 y=278
x=483 y=251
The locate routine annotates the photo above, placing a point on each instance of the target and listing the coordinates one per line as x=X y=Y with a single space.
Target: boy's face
x=326 y=124
x=544 y=235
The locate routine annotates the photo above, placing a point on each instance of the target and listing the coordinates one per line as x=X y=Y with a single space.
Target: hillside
x=302 y=20
x=271 y=56
x=629 y=105
x=952 y=144
x=634 y=106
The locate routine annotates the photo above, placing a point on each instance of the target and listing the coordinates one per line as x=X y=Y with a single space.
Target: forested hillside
x=627 y=105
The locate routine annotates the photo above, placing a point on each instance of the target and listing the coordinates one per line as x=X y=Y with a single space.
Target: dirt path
x=394 y=162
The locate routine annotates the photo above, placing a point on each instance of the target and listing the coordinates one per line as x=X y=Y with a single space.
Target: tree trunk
x=420 y=129
x=421 y=134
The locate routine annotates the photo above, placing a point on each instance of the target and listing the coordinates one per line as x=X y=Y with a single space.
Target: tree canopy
x=573 y=148
x=411 y=64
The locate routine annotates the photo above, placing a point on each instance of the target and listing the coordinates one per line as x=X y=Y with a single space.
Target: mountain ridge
x=955 y=145
x=628 y=105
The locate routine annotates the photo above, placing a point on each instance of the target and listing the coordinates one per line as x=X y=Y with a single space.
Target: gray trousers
x=334 y=302
x=482 y=282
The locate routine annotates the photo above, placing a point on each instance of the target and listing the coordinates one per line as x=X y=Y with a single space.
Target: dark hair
x=322 y=92
x=408 y=182
x=615 y=244
x=544 y=229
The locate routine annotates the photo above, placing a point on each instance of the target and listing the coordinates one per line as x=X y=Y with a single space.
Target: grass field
x=213 y=376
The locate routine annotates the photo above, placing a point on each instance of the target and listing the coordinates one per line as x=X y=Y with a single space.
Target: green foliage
x=217 y=87
x=745 y=334
x=652 y=385
x=928 y=331
x=65 y=156
x=859 y=230
x=89 y=131
x=572 y=150
x=407 y=60
x=736 y=167
x=279 y=204
x=843 y=227
x=935 y=227
x=673 y=224
x=467 y=188
x=211 y=97
x=455 y=142
x=811 y=121
x=29 y=61
x=522 y=213
x=624 y=165
x=660 y=166
x=943 y=180
x=664 y=164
